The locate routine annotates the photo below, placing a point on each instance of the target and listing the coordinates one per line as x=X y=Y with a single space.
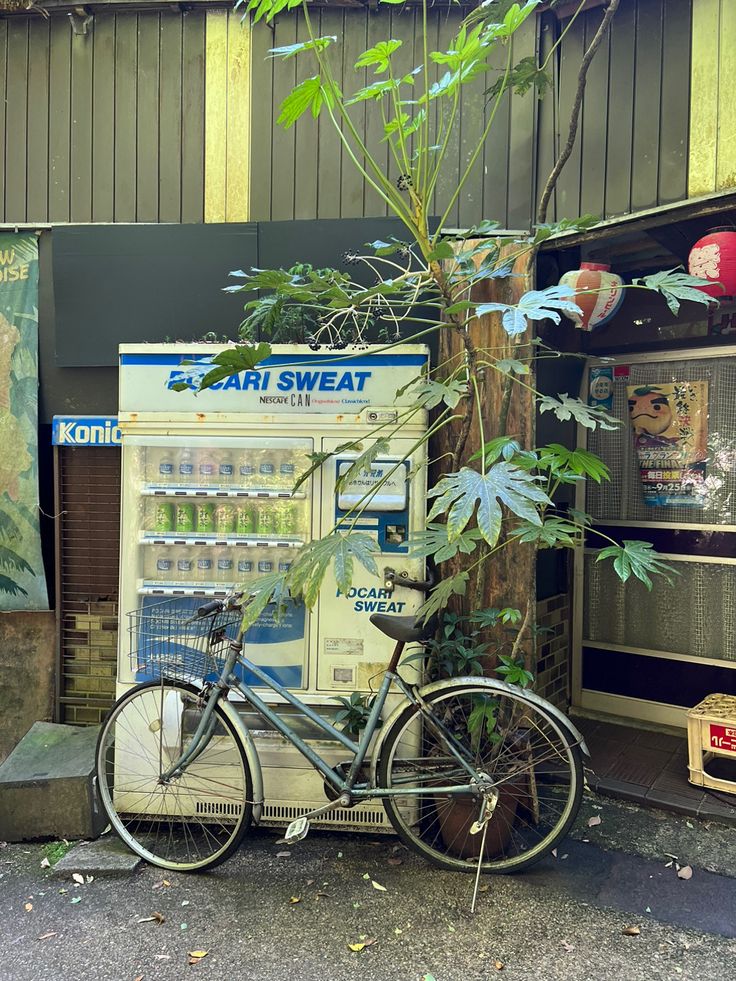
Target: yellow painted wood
x=702 y=164
x=726 y=158
x=215 y=116
x=238 y=118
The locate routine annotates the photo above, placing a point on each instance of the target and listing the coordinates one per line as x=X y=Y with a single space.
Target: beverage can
x=285 y=520
x=205 y=517
x=245 y=566
x=265 y=566
x=265 y=521
x=184 y=517
x=225 y=519
x=165 y=520
x=245 y=523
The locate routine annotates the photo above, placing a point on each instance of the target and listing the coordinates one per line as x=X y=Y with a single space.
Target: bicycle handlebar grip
x=212 y=607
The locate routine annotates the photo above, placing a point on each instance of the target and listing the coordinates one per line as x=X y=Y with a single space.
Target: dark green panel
x=3 y=90
x=620 y=112
x=571 y=55
x=674 y=121
x=494 y=154
x=81 y=126
x=283 y=161
x=378 y=27
x=594 y=122
x=103 y=115
x=169 y=169
x=648 y=74
x=126 y=81
x=305 y=139
x=147 y=117
x=450 y=170
x=353 y=45
x=329 y=148
x=547 y=117
x=262 y=121
x=521 y=138
x=495 y=176
x=192 y=114
x=16 y=147
x=59 y=121
x=37 y=193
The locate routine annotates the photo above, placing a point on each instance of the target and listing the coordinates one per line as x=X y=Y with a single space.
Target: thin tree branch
x=575 y=115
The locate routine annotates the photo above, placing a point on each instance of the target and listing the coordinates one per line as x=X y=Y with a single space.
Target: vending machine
x=208 y=505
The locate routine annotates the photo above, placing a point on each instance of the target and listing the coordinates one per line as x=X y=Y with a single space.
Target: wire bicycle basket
x=165 y=642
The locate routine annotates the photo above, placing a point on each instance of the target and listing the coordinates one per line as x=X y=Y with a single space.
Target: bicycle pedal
x=296 y=831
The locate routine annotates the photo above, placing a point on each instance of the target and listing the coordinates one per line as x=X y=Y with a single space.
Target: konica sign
x=85 y=431
x=165 y=378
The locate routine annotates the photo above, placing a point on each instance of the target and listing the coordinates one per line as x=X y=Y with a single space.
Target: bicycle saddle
x=405 y=629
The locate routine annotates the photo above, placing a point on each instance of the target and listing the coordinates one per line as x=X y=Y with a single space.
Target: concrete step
x=47 y=785
x=106 y=856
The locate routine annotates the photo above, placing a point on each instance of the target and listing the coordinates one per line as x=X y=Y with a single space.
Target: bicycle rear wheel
x=528 y=763
x=196 y=819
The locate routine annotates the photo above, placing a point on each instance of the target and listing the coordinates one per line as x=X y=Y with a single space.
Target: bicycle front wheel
x=528 y=766
x=194 y=820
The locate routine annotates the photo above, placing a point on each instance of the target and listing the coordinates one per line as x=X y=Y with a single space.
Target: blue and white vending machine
x=207 y=504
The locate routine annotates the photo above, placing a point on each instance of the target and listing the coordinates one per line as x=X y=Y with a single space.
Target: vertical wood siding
x=103 y=127
x=304 y=172
x=631 y=152
x=712 y=119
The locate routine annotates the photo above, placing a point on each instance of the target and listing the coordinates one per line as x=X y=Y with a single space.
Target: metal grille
x=88 y=554
x=621 y=497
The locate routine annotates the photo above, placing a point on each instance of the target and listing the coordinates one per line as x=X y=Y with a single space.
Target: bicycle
x=475 y=774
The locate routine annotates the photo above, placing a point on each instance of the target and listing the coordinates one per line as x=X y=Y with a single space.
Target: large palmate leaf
x=242 y=357
x=319 y=457
x=566 y=408
x=675 y=286
x=307 y=573
x=533 y=305
x=552 y=533
x=266 y=8
x=316 y=44
x=442 y=594
x=309 y=95
x=364 y=462
x=560 y=460
x=431 y=393
x=504 y=483
x=262 y=592
x=638 y=559
x=434 y=541
x=379 y=56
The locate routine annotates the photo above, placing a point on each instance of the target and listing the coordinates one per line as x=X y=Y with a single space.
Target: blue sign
x=85 y=431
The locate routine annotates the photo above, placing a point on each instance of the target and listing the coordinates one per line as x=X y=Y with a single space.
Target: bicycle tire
x=198 y=819
x=527 y=823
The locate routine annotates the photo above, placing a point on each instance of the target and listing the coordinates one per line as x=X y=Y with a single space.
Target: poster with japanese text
x=670 y=426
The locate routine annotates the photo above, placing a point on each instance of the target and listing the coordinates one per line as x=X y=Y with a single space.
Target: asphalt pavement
x=632 y=894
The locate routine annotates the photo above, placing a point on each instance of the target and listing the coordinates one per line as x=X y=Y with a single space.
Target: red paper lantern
x=714 y=257
x=598 y=293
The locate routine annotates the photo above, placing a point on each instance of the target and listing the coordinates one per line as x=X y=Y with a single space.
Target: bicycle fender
x=251 y=754
x=493 y=685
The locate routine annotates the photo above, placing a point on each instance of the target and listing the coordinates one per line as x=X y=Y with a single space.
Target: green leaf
x=638 y=559
x=675 y=286
x=559 y=459
x=309 y=95
x=231 y=361
x=364 y=462
x=457 y=494
x=289 y=50
x=581 y=224
x=442 y=594
x=379 y=56
x=431 y=393
x=269 y=8
x=533 y=305
x=500 y=446
x=319 y=458
x=525 y=75
x=376 y=90
x=443 y=250
x=261 y=592
x=307 y=573
x=434 y=541
x=552 y=533
x=509 y=365
x=566 y=408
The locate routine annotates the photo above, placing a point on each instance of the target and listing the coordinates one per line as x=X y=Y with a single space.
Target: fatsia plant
x=422 y=284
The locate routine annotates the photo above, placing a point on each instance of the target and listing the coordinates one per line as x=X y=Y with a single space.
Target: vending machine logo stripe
x=274 y=361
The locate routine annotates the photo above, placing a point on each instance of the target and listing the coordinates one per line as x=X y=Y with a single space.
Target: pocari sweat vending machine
x=207 y=504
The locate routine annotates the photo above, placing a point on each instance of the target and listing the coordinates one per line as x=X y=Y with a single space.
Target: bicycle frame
x=359 y=751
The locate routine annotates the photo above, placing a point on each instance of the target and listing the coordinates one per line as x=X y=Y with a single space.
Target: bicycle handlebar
x=391 y=579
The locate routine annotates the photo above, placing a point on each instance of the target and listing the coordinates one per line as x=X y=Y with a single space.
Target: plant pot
x=455 y=823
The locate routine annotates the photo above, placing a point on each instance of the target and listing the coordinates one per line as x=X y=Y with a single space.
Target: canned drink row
x=226 y=518
x=223 y=566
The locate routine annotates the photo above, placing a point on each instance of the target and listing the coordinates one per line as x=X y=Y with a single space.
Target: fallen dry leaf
x=395 y=860
x=356 y=947
x=45 y=864
x=282 y=854
x=139 y=978
x=568 y=946
x=378 y=886
x=594 y=821
x=153 y=918
x=310 y=882
x=631 y=931
x=685 y=872
x=47 y=936
x=28 y=907
x=483 y=887
x=195 y=956
x=78 y=878
x=295 y=899
x=499 y=965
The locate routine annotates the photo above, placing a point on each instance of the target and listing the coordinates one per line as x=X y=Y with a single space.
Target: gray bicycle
x=475 y=774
